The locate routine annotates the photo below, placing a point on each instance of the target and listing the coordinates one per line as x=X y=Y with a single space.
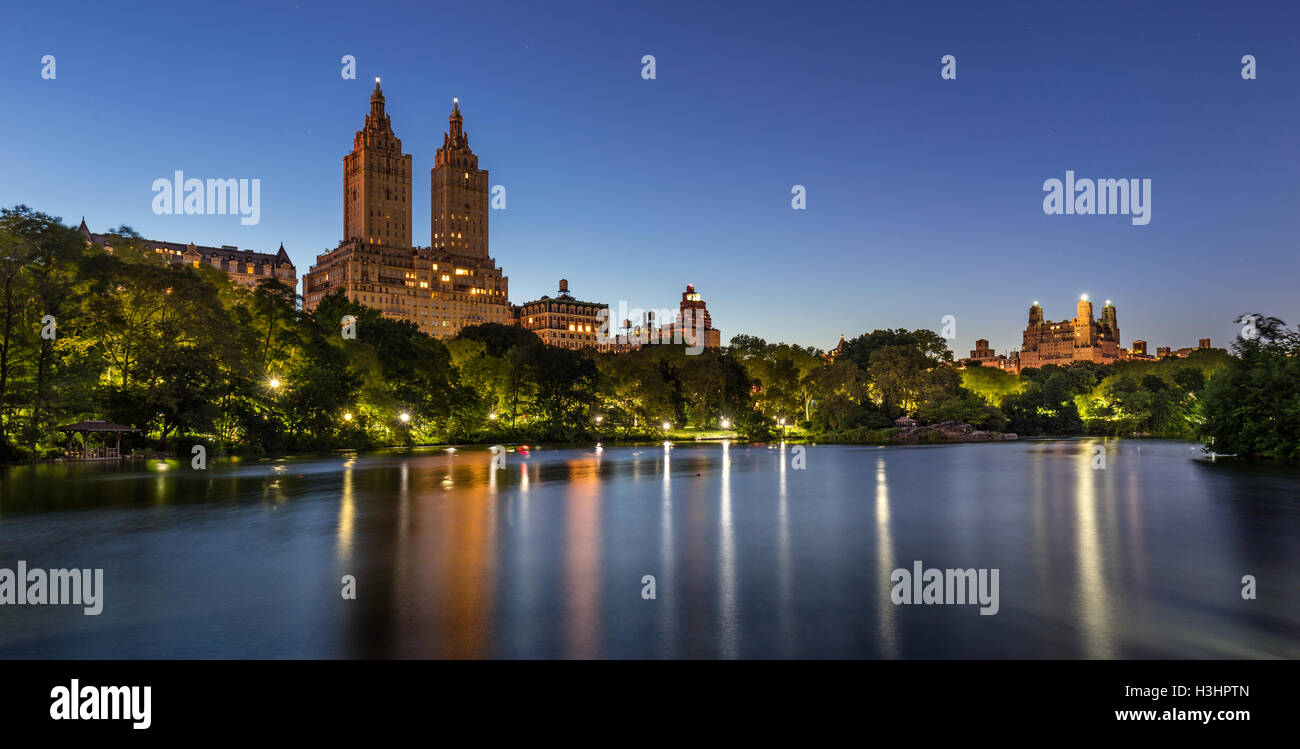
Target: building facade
x=565 y=321
x=984 y=356
x=1081 y=339
x=244 y=267
x=377 y=182
x=460 y=194
x=442 y=288
x=694 y=323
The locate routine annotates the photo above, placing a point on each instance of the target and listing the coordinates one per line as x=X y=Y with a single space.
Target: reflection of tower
x=459 y=194
x=377 y=182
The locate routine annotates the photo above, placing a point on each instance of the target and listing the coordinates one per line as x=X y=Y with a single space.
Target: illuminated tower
x=1109 y=323
x=459 y=191
x=377 y=182
x=693 y=307
x=1084 y=329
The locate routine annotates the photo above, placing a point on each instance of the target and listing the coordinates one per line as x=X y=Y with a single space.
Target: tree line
x=188 y=357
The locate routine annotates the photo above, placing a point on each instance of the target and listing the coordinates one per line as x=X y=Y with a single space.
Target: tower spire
x=456 y=125
x=377 y=101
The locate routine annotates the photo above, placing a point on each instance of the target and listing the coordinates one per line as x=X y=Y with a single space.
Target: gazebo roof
x=96 y=425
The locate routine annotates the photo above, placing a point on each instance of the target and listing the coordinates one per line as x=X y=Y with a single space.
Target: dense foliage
x=187 y=356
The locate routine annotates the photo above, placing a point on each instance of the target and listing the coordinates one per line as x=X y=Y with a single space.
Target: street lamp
x=667 y=426
x=492 y=416
x=599 y=419
x=274 y=383
x=347 y=416
x=404 y=416
x=725 y=423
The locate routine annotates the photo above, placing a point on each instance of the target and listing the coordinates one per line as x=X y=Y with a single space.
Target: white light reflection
x=728 y=629
x=1092 y=600
x=885 y=565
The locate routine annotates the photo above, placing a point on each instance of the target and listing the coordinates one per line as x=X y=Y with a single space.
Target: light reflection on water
x=752 y=556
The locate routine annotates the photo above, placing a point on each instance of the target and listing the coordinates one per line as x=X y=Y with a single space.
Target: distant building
x=1081 y=339
x=565 y=321
x=442 y=288
x=692 y=319
x=983 y=356
x=1137 y=352
x=244 y=267
x=905 y=422
x=834 y=353
x=1202 y=344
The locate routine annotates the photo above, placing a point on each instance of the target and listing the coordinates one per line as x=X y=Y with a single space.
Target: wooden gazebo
x=102 y=428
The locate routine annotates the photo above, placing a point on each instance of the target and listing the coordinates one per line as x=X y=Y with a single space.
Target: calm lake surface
x=752 y=557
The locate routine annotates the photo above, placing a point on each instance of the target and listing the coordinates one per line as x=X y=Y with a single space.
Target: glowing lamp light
x=725 y=423
x=404 y=416
x=599 y=419
x=492 y=417
x=274 y=383
x=667 y=426
x=347 y=416
x=1083 y=298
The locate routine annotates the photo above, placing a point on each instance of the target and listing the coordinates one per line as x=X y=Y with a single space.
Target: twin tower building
x=441 y=288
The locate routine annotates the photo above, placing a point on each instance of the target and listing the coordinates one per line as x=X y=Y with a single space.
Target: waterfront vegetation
x=188 y=357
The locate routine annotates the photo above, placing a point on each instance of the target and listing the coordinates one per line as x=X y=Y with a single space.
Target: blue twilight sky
x=924 y=196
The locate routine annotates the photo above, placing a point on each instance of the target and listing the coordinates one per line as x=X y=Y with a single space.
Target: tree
x=1252 y=406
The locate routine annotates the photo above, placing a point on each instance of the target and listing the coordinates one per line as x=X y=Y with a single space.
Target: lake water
x=752 y=556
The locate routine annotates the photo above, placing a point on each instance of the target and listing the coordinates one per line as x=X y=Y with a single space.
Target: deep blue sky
x=924 y=195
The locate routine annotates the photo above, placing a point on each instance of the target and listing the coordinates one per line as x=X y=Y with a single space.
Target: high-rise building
x=377 y=182
x=460 y=194
x=442 y=288
x=1081 y=339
